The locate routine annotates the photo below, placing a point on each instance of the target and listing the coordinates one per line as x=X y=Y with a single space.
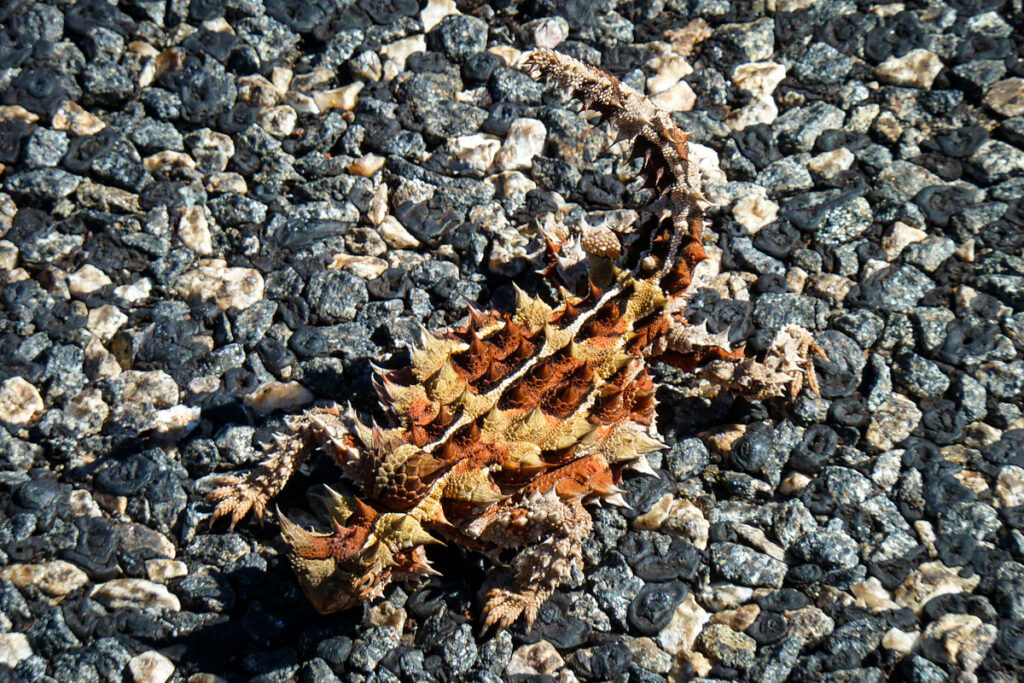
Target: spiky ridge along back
x=499 y=422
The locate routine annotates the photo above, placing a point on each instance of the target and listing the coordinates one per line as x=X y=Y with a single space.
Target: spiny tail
x=663 y=146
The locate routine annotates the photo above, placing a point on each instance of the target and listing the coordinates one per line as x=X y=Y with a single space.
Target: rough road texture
x=215 y=216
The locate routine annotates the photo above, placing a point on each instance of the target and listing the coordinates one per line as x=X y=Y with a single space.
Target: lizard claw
x=237 y=498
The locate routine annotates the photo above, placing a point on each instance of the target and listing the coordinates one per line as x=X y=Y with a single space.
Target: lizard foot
x=504 y=607
x=237 y=497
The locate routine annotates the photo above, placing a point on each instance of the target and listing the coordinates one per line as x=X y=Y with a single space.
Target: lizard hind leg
x=550 y=532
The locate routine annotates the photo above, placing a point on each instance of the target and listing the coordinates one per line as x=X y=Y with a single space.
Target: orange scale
x=569 y=488
x=421 y=411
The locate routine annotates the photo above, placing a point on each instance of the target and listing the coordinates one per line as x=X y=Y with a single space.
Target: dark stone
x=652 y=609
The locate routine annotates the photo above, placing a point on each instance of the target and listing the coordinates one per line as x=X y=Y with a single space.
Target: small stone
x=793 y=483
x=989 y=24
x=395 y=234
x=899 y=237
x=367 y=165
x=918 y=69
x=45 y=148
x=82 y=504
x=344 y=98
x=87 y=280
x=258 y=91
x=106 y=198
x=14 y=647
x=524 y=141
x=8 y=252
x=901 y=641
x=614 y=587
x=161 y=570
x=921 y=377
x=686 y=38
x=387 y=614
x=830 y=164
x=76 y=120
x=829 y=286
x=150 y=667
x=929 y=253
x=965 y=639
x=809 y=622
x=872 y=595
x=708 y=163
x=540 y=658
x=477 y=151
x=1006 y=97
x=760 y=109
x=760 y=78
x=738 y=619
x=44 y=183
x=211 y=150
x=365 y=267
x=280 y=121
x=56 y=578
x=887 y=469
x=680 y=97
x=997 y=160
x=687 y=622
x=843 y=222
x=1010 y=486
x=892 y=422
x=755 y=210
x=929 y=580
x=274 y=396
x=669 y=69
x=688 y=521
x=136 y=291
x=16 y=112
x=549 y=32
x=727 y=646
x=133 y=536
x=754 y=40
x=154 y=387
x=458 y=37
x=89 y=410
x=747 y=567
x=721 y=596
x=822 y=63
x=194 y=230
x=831 y=547
x=227 y=287
x=105 y=321
x=135 y=593
x=98 y=362
x=168 y=159
x=646 y=652
x=400 y=50
x=656 y=515
x=176 y=422
x=435 y=11
x=20 y=402
x=366 y=66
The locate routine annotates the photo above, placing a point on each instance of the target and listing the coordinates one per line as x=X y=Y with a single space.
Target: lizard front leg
x=319 y=427
x=786 y=367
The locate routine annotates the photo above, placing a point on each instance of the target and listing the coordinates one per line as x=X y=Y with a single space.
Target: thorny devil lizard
x=504 y=428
